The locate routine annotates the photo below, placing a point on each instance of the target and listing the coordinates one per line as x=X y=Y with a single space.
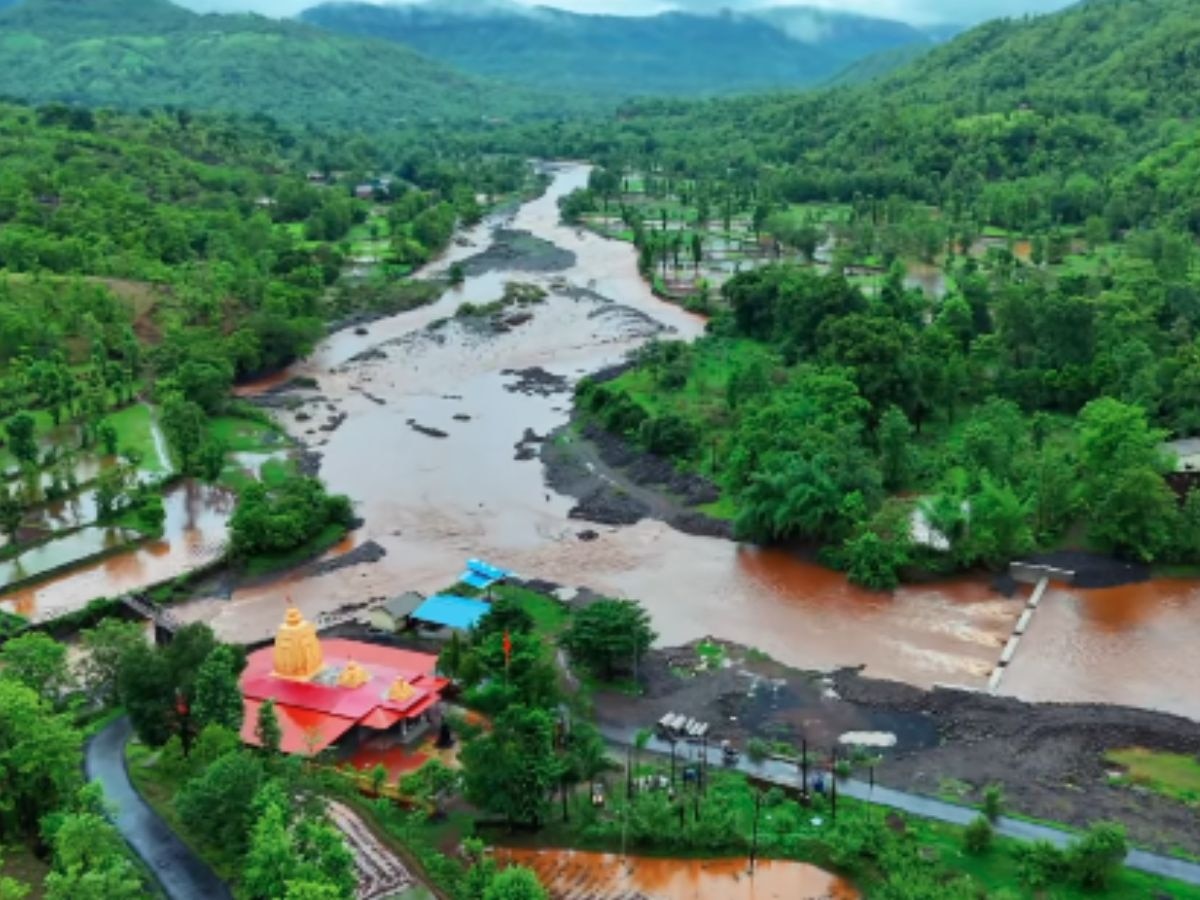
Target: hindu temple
x=337 y=691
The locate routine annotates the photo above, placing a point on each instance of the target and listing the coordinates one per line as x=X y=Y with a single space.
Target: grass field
x=244 y=435
x=1173 y=775
x=134 y=426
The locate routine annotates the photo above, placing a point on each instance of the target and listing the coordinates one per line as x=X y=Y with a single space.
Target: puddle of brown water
x=574 y=875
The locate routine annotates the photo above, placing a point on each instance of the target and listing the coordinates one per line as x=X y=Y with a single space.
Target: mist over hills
x=673 y=53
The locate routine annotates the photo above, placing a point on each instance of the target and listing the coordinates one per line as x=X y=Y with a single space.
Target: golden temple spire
x=400 y=690
x=297 y=650
x=353 y=676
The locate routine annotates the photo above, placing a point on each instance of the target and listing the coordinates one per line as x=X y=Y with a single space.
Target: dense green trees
x=832 y=398
x=1131 y=509
x=40 y=760
x=294 y=854
x=39 y=662
x=510 y=771
x=515 y=883
x=91 y=860
x=218 y=804
x=156 y=685
x=279 y=518
x=217 y=696
x=609 y=636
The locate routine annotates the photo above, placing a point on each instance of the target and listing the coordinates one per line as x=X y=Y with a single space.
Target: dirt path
x=381 y=873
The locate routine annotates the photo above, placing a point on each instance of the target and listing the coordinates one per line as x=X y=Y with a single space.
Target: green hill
x=670 y=53
x=150 y=53
x=1031 y=118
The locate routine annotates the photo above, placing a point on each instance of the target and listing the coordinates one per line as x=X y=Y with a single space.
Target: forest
x=1016 y=398
x=154 y=260
x=152 y=54
x=618 y=56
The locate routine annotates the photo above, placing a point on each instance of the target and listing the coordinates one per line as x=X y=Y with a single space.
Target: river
x=431 y=503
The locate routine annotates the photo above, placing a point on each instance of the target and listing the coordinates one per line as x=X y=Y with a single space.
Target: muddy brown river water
x=431 y=502
x=575 y=875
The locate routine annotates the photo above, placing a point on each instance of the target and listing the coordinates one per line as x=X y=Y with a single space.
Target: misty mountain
x=670 y=53
x=151 y=53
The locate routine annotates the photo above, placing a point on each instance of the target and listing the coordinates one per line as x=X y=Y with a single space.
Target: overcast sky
x=916 y=11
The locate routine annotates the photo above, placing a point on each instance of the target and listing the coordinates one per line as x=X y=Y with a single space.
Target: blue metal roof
x=481 y=575
x=451 y=611
x=475 y=580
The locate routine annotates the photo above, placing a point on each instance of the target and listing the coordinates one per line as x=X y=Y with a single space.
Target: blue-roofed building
x=481 y=575
x=450 y=611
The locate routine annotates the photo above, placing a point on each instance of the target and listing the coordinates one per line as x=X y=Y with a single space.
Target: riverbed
x=431 y=501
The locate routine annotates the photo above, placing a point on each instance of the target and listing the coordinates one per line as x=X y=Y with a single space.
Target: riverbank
x=1050 y=759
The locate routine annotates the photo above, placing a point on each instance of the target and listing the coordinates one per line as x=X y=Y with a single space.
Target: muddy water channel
x=574 y=875
x=429 y=450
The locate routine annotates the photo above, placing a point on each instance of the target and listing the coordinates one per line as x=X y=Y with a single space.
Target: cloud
x=921 y=12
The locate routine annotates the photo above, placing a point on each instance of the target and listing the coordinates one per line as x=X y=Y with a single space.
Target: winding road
x=786 y=775
x=180 y=872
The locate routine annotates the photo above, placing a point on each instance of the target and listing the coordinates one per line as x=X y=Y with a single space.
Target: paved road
x=787 y=774
x=182 y=874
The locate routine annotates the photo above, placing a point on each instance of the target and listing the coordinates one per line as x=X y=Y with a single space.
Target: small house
x=392 y=615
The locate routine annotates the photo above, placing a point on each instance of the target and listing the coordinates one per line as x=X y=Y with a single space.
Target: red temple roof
x=313 y=714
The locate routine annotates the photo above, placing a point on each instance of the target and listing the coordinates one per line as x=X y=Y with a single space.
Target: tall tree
x=267 y=730
x=40 y=760
x=217 y=697
x=91 y=861
x=511 y=770
x=609 y=636
x=104 y=646
x=39 y=662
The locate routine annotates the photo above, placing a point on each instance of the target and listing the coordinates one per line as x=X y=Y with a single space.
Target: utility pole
x=625 y=818
x=804 y=766
x=758 y=795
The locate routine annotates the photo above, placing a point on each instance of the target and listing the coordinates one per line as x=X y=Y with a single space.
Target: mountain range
x=672 y=53
x=151 y=53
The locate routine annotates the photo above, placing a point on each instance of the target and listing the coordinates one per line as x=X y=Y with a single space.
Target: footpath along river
x=431 y=501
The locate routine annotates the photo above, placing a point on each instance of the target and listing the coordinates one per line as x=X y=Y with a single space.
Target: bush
x=757 y=749
x=668 y=435
x=977 y=837
x=993 y=801
x=285 y=516
x=1098 y=855
x=1040 y=864
x=622 y=415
